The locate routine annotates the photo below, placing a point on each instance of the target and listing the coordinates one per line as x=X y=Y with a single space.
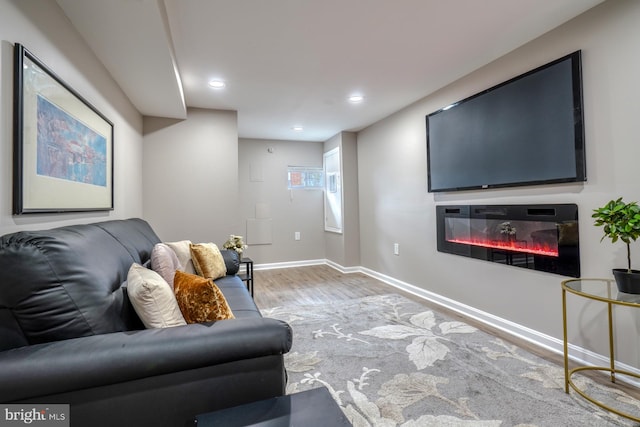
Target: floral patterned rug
x=389 y=361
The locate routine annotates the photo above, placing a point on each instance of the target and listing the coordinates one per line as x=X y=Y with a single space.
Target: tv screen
x=526 y=131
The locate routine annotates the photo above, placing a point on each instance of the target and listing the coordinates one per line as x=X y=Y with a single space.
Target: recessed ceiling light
x=217 y=84
x=356 y=98
x=297 y=128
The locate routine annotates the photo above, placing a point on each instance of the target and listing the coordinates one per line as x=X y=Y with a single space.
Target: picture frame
x=63 y=146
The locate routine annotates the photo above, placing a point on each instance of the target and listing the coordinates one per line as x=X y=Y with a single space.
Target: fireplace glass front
x=539 y=237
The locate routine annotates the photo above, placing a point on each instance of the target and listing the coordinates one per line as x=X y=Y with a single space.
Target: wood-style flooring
x=322 y=284
x=318 y=284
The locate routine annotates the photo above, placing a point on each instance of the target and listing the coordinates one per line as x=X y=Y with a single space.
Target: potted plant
x=621 y=221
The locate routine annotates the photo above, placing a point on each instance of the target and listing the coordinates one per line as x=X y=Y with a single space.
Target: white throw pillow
x=183 y=252
x=152 y=298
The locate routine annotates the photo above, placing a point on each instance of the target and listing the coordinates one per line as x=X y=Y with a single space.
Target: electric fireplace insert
x=538 y=237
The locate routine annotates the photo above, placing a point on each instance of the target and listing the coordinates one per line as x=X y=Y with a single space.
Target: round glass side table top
x=604 y=290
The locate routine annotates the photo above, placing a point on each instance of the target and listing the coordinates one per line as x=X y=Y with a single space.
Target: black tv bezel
x=579 y=140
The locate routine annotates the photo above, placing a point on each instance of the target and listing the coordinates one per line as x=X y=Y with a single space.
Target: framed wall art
x=63 y=146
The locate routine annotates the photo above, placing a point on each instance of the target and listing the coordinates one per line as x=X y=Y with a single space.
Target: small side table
x=605 y=291
x=247 y=274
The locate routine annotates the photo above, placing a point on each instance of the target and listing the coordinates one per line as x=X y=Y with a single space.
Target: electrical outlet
x=396 y=249
x=297 y=235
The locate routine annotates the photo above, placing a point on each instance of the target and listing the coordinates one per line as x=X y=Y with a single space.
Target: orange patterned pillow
x=208 y=260
x=199 y=299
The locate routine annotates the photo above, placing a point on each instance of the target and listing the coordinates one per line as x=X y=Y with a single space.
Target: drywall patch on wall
x=259 y=231
x=255 y=172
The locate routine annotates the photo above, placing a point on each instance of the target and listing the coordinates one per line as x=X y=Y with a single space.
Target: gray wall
x=190 y=176
x=45 y=31
x=264 y=195
x=395 y=205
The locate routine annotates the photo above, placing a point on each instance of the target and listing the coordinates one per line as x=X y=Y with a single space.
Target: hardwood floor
x=317 y=284
x=321 y=284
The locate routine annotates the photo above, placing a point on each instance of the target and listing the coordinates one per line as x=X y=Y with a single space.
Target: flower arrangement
x=235 y=243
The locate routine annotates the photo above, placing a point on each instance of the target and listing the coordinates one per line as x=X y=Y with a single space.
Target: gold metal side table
x=606 y=291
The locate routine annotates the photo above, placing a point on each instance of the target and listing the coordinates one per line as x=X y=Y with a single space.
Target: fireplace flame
x=510 y=245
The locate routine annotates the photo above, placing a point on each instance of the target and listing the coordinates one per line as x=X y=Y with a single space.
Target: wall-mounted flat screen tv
x=526 y=131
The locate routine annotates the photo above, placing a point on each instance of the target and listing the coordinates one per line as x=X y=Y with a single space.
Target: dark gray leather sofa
x=68 y=334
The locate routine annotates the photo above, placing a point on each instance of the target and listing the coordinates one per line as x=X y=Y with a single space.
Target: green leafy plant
x=621 y=221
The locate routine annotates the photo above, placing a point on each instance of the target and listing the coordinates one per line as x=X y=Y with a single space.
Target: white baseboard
x=345 y=270
x=290 y=264
x=577 y=354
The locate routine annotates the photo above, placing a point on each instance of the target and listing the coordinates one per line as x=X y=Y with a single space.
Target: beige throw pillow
x=208 y=260
x=183 y=252
x=152 y=298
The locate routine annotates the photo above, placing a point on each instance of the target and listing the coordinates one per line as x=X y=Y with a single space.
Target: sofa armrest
x=100 y=360
x=231 y=261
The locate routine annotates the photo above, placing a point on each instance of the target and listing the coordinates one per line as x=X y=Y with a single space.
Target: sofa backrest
x=67 y=282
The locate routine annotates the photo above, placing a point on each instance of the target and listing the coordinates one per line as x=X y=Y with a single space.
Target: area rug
x=389 y=361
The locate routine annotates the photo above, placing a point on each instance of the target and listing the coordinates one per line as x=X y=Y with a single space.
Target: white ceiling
x=295 y=62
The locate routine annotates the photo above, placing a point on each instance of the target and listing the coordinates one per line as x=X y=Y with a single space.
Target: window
x=333 y=191
x=305 y=178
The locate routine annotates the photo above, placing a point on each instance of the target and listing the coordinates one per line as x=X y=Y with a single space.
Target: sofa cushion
x=239 y=299
x=208 y=260
x=153 y=298
x=183 y=252
x=199 y=299
x=134 y=234
x=164 y=261
x=72 y=276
